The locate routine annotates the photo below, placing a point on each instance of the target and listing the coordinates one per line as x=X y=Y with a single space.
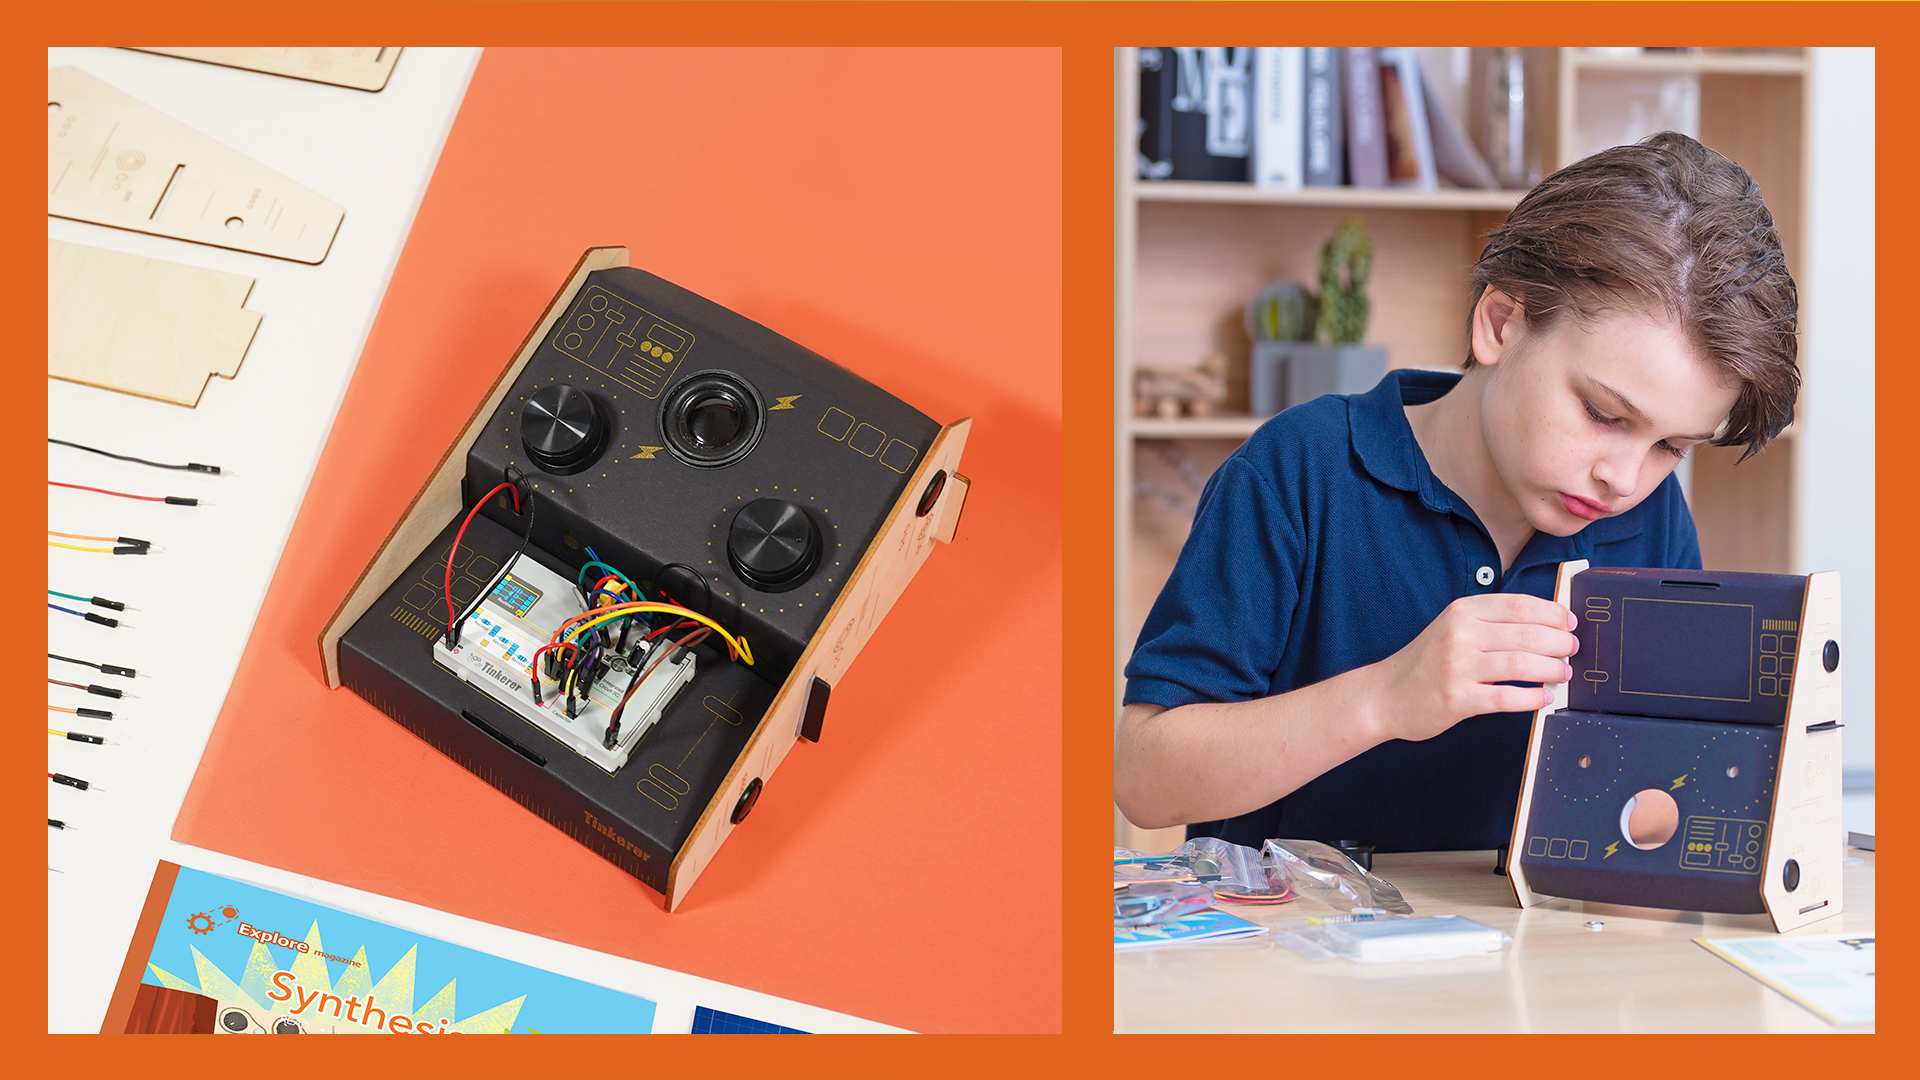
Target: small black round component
x=773 y=545
x=747 y=798
x=712 y=418
x=932 y=495
x=1790 y=875
x=1830 y=655
x=1361 y=854
x=562 y=429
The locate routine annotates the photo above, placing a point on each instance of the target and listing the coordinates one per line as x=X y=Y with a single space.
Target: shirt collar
x=1384 y=443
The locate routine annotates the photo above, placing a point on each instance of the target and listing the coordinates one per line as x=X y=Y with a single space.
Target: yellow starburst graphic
x=306 y=994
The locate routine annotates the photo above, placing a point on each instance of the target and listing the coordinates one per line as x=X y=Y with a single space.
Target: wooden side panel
x=115 y=161
x=147 y=327
x=439 y=499
x=1806 y=818
x=1516 y=874
x=902 y=545
x=359 y=68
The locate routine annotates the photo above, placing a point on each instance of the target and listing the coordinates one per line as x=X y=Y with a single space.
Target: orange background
x=897 y=211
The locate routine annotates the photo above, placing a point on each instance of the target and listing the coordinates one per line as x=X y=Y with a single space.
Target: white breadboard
x=497 y=645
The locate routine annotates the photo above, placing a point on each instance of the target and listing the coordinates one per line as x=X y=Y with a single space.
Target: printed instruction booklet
x=1831 y=974
x=219 y=956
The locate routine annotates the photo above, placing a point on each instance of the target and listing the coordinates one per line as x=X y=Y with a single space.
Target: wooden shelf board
x=1195 y=427
x=1695 y=63
x=1201 y=191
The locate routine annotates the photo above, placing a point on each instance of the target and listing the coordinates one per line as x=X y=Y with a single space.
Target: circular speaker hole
x=1649 y=819
x=53 y=107
x=234 y=223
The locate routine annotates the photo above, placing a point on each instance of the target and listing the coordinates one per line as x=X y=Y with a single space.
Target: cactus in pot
x=1346 y=262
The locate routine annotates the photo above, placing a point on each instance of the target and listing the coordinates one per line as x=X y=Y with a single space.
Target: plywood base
x=112 y=160
x=362 y=68
x=147 y=327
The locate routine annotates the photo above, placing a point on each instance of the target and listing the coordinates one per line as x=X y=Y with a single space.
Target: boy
x=1360 y=622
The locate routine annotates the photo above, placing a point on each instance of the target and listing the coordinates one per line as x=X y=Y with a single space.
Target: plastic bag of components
x=1326 y=874
x=1153 y=903
x=1375 y=937
x=1227 y=868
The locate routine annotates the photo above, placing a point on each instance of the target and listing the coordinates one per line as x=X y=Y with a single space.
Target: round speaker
x=712 y=418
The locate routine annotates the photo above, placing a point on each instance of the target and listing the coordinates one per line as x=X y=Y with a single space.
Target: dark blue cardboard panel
x=1686 y=644
x=1720 y=776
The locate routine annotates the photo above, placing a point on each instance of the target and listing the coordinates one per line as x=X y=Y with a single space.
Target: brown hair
x=1670 y=224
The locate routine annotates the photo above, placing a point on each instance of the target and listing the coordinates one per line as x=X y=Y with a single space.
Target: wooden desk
x=1641 y=972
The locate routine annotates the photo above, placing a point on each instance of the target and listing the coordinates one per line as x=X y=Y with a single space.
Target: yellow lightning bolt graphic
x=1678 y=782
x=646 y=453
x=784 y=402
x=1611 y=848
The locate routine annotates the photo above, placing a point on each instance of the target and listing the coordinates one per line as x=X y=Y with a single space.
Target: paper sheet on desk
x=1831 y=975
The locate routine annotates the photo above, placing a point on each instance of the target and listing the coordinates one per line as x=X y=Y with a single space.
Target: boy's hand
x=1454 y=669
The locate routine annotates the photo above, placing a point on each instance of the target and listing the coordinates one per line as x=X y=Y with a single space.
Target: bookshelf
x=1188 y=255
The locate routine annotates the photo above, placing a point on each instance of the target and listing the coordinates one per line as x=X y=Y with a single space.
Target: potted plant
x=1307 y=345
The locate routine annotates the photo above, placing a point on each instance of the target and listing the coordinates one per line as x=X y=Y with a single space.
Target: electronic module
x=635 y=578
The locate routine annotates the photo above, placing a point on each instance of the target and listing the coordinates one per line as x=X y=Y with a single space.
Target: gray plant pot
x=1286 y=373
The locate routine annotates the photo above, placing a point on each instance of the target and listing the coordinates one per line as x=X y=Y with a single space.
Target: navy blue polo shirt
x=1326 y=543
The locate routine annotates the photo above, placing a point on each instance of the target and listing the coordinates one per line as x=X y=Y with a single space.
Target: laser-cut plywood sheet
x=147 y=327
x=112 y=160
x=365 y=67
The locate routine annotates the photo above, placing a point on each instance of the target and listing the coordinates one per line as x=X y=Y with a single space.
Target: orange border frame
x=1087 y=32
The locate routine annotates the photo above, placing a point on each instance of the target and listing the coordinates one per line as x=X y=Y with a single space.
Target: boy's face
x=1585 y=420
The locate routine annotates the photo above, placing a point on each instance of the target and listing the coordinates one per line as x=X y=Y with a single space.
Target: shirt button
x=1484 y=575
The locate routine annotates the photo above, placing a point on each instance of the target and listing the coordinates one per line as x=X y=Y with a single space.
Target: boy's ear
x=1497 y=321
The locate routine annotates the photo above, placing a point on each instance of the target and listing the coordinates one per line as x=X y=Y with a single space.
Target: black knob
x=773 y=545
x=562 y=429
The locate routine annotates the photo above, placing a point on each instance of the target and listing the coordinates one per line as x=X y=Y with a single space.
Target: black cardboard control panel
x=688 y=434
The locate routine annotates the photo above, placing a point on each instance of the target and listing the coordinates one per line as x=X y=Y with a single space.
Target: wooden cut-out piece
x=1516 y=873
x=360 y=68
x=1807 y=800
x=112 y=160
x=142 y=326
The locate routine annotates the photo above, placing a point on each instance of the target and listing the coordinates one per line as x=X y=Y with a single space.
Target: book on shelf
x=1404 y=103
x=1455 y=158
x=1196 y=113
x=1279 y=115
x=1325 y=151
x=1366 y=120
